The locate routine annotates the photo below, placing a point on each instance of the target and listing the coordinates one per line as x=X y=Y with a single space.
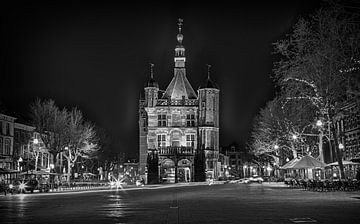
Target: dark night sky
x=96 y=56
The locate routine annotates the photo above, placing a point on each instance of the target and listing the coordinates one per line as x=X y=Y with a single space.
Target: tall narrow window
x=7 y=147
x=162 y=120
x=190 y=140
x=1 y=146
x=161 y=141
x=8 y=129
x=190 y=120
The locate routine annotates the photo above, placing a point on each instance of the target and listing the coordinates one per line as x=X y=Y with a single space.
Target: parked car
x=256 y=178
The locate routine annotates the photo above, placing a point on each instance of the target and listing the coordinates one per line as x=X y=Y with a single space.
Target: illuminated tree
x=81 y=139
x=50 y=122
x=278 y=124
x=318 y=63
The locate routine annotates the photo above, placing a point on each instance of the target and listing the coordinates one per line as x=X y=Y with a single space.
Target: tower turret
x=209 y=102
x=151 y=89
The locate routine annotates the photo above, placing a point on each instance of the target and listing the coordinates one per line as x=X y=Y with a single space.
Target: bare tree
x=278 y=123
x=318 y=62
x=50 y=122
x=81 y=139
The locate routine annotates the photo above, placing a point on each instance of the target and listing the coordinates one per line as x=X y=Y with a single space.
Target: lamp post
x=245 y=167
x=20 y=160
x=35 y=152
x=321 y=134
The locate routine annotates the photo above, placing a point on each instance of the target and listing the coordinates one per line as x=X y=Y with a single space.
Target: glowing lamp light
x=269 y=168
x=341 y=146
x=22 y=186
x=334 y=175
x=276 y=147
x=287 y=159
x=319 y=123
x=20 y=160
x=245 y=166
x=11 y=186
x=36 y=141
x=294 y=137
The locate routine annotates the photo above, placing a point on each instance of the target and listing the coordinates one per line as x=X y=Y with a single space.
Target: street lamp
x=294 y=137
x=19 y=161
x=319 y=123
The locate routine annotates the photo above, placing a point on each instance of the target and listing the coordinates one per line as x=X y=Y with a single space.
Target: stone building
x=179 y=129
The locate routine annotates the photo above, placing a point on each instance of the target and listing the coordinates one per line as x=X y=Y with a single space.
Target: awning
x=37 y=172
x=345 y=163
x=5 y=171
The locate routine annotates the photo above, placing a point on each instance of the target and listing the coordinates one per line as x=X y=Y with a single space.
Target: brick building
x=179 y=129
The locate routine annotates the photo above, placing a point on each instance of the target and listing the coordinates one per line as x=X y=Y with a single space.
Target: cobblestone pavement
x=195 y=203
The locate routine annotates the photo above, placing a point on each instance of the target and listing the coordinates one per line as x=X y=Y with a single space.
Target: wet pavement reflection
x=228 y=203
x=95 y=207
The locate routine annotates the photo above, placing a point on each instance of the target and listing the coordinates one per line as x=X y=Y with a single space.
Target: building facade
x=179 y=129
x=348 y=129
x=7 y=142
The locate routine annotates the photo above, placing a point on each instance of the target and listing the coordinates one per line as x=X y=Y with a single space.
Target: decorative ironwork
x=171 y=150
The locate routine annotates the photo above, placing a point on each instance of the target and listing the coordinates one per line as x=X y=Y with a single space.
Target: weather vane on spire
x=209 y=66
x=180 y=23
x=151 y=70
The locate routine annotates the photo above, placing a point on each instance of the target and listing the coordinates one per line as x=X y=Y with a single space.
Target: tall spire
x=151 y=70
x=209 y=84
x=180 y=49
x=208 y=71
x=152 y=82
x=179 y=87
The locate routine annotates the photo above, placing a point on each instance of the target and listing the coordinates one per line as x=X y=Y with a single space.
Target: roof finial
x=209 y=66
x=180 y=37
x=151 y=70
x=180 y=23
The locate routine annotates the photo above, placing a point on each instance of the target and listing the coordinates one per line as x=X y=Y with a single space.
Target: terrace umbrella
x=308 y=162
x=290 y=164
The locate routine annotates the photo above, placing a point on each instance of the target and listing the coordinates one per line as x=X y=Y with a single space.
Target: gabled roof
x=179 y=87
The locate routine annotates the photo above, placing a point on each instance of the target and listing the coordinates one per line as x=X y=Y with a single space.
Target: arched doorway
x=184 y=170
x=167 y=171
